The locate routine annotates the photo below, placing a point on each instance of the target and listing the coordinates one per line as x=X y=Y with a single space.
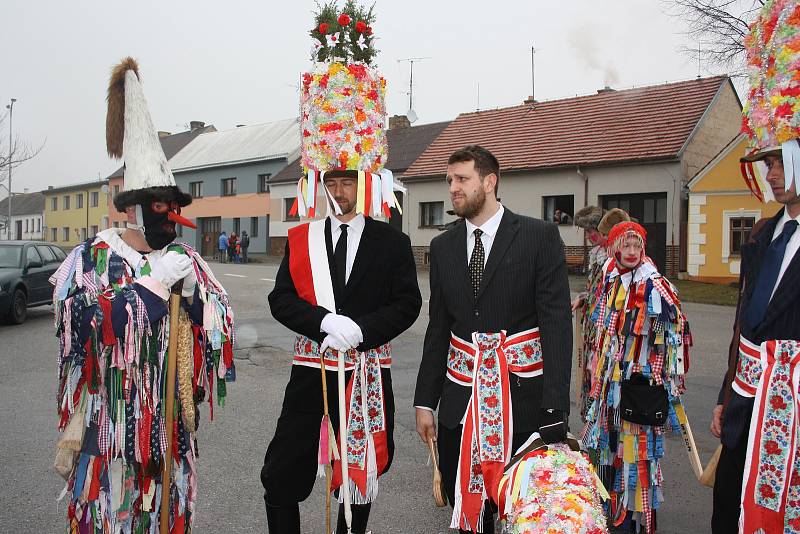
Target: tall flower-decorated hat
x=343 y=113
x=772 y=110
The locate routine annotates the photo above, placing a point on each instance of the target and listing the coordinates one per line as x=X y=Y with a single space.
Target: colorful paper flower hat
x=343 y=112
x=772 y=111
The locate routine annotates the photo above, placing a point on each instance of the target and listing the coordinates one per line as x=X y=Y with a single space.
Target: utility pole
x=10 y=108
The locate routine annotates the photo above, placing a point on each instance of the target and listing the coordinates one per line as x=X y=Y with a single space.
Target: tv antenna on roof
x=411 y=114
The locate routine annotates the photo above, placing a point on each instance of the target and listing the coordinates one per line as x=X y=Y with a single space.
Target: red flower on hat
x=373 y=95
x=344 y=19
x=361 y=26
x=323 y=82
x=323 y=28
x=357 y=70
x=306 y=133
x=369 y=30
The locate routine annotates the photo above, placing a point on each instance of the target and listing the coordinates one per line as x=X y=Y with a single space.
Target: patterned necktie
x=476 y=263
x=340 y=257
x=770 y=269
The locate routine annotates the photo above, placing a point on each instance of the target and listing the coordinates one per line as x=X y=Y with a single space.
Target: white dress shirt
x=489 y=229
x=791 y=247
x=354 y=230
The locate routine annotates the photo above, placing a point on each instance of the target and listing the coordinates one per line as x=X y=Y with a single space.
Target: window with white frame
x=196 y=189
x=94 y=199
x=66 y=202
x=79 y=200
x=64 y=233
x=736 y=227
x=54 y=204
x=54 y=234
x=228 y=187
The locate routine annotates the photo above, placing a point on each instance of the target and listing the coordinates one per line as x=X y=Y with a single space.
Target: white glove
x=333 y=342
x=173 y=267
x=189 y=283
x=342 y=327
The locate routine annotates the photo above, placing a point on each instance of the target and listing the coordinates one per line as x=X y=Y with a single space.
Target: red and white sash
x=367 y=443
x=771 y=489
x=486 y=439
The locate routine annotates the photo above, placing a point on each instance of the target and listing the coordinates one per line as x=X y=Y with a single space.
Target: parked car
x=25 y=268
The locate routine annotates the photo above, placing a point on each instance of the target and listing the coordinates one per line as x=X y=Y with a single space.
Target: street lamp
x=10 y=108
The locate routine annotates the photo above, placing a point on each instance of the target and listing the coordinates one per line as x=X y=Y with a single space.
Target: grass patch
x=690 y=291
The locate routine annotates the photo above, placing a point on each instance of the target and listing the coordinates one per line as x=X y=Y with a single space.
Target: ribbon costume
x=641 y=330
x=759 y=467
x=113 y=326
x=347 y=286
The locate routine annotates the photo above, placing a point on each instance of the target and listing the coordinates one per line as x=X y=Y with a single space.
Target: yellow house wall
x=74 y=218
x=720 y=190
x=716 y=265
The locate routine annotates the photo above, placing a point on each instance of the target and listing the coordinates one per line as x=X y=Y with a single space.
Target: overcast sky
x=239 y=62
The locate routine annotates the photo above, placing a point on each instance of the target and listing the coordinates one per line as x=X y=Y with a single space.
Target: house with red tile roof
x=635 y=149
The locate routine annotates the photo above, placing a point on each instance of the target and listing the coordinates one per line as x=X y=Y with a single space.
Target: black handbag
x=643 y=403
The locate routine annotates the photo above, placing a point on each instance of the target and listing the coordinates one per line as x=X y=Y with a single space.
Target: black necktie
x=770 y=268
x=476 y=263
x=340 y=257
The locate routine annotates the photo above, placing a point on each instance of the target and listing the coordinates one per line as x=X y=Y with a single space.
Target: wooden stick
x=345 y=489
x=688 y=440
x=579 y=369
x=169 y=402
x=328 y=471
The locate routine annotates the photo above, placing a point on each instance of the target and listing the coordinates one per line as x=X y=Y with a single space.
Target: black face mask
x=159 y=231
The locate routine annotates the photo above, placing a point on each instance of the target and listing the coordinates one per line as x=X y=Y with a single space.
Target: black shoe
x=283 y=519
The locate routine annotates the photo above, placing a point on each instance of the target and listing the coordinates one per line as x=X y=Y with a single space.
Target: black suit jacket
x=381 y=296
x=524 y=285
x=781 y=321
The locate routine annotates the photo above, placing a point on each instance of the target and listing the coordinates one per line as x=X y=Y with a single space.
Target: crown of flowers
x=344 y=34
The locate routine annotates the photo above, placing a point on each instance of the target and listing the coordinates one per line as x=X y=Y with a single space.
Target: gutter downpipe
x=585 y=203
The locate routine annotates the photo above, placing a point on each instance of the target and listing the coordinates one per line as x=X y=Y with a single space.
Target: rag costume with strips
x=113 y=334
x=642 y=330
x=113 y=323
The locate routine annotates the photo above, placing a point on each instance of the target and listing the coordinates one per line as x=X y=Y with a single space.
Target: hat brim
x=149 y=194
x=761 y=153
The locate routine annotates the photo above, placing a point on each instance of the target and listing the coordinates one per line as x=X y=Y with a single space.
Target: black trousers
x=728 y=488
x=290 y=463
x=449 y=445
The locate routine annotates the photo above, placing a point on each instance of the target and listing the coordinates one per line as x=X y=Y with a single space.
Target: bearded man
x=499 y=306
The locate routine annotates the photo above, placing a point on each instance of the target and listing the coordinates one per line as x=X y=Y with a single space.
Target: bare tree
x=719 y=27
x=20 y=150
x=12 y=156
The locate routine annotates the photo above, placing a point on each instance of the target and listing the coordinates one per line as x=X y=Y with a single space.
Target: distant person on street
x=222 y=247
x=347 y=283
x=758 y=473
x=498 y=348
x=233 y=240
x=243 y=245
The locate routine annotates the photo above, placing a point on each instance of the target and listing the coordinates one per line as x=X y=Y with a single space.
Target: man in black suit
x=768 y=309
x=493 y=271
x=349 y=283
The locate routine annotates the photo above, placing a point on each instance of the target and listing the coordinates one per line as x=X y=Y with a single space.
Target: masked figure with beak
x=113 y=324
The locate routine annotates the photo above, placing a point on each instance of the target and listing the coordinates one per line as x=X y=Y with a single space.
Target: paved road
x=232 y=447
